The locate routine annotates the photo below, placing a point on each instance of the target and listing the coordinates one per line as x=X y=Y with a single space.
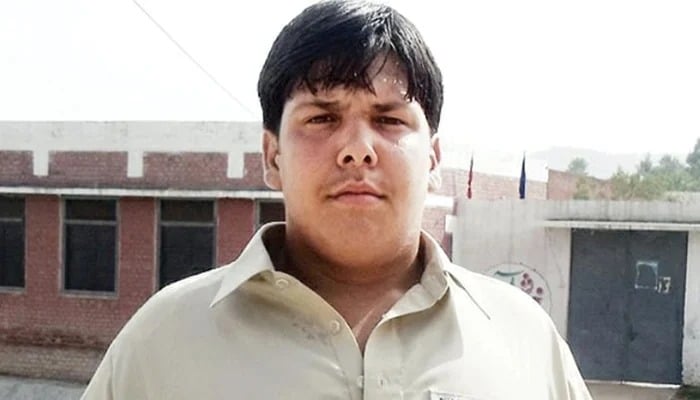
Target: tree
x=583 y=189
x=578 y=166
x=645 y=166
x=693 y=161
x=653 y=181
x=634 y=186
x=672 y=175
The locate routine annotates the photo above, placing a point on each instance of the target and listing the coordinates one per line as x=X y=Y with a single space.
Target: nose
x=358 y=148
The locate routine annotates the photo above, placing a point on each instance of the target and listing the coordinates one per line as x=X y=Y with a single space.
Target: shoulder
x=520 y=324
x=158 y=333
x=504 y=304
x=181 y=302
x=487 y=288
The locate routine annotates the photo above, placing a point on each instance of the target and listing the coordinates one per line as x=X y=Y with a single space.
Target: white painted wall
x=134 y=137
x=489 y=233
x=691 y=328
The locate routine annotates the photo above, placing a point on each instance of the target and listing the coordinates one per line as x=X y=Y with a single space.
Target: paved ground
x=618 y=391
x=32 y=389
x=12 y=388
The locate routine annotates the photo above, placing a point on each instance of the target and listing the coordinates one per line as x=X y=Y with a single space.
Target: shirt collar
x=255 y=259
x=437 y=262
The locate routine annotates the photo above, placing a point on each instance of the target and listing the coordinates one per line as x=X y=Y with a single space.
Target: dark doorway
x=626 y=304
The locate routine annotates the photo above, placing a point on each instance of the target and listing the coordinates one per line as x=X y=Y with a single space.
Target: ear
x=435 y=178
x=271 y=156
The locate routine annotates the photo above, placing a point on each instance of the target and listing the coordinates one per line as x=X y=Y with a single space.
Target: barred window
x=186 y=238
x=11 y=241
x=90 y=231
x=270 y=211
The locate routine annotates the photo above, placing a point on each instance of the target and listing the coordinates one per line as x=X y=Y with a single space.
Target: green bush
x=688 y=393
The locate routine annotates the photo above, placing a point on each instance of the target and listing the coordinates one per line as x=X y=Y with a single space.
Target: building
x=97 y=216
x=621 y=280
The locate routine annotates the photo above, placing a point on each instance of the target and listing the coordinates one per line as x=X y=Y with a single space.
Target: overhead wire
x=193 y=60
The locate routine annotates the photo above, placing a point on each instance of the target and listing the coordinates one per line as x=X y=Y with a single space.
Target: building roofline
x=433 y=200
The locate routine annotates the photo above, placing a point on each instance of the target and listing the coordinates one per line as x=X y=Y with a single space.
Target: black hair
x=334 y=43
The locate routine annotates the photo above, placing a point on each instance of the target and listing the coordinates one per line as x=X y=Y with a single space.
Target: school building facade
x=95 y=217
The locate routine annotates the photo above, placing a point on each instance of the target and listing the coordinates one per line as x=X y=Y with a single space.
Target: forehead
x=384 y=77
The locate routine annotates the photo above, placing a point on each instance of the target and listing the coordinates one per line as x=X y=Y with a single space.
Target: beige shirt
x=246 y=331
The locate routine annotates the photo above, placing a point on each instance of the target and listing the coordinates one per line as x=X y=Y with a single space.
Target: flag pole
x=523 y=179
x=470 y=177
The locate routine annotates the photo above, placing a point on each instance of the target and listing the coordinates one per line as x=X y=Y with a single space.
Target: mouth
x=357 y=194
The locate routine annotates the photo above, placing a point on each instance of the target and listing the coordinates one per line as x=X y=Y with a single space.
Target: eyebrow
x=391 y=106
x=326 y=105
x=336 y=106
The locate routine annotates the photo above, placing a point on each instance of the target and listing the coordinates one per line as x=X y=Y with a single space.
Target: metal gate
x=626 y=304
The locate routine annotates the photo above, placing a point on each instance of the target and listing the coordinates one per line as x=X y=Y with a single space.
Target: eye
x=322 y=119
x=385 y=120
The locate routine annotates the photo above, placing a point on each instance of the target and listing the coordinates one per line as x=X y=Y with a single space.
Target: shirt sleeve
x=100 y=386
x=118 y=376
x=575 y=387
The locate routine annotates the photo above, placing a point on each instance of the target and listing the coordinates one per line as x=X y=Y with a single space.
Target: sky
x=520 y=76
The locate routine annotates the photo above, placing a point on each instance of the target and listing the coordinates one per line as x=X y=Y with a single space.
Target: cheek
x=412 y=141
x=414 y=151
x=300 y=162
x=300 y=145
x=408 y=163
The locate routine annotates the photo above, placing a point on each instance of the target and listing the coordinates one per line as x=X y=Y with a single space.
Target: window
x=11 y=242
x=270 y=211
x=186 y=238
x=90 y=245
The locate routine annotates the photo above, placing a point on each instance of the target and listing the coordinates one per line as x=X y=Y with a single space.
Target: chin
x=362 y=225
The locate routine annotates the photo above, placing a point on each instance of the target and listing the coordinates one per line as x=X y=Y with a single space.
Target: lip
x=357 y=193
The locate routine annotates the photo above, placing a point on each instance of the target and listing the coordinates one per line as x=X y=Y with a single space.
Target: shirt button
x=281 y=283
x=361 y=381
x=335 y=327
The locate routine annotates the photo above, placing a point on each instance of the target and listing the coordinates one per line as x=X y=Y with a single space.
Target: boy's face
x=354 y=166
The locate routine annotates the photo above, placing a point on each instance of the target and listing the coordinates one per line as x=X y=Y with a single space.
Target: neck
x=361 y=290
x=393 y=268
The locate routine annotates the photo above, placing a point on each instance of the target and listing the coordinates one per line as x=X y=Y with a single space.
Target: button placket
x=382 y=362
x=349 y=358
x=360 y=381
